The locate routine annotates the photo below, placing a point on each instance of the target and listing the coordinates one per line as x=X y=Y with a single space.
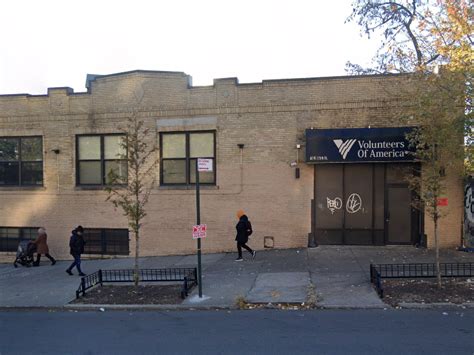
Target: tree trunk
x=136 y=274
x=438 y=268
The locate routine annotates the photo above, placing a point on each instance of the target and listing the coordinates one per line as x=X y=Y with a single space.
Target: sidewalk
x=339 y=274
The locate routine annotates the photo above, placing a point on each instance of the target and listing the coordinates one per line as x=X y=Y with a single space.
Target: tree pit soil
x=142 y=294
x=426 y=291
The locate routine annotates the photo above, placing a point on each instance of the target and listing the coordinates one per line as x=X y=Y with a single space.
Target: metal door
x=398 y=215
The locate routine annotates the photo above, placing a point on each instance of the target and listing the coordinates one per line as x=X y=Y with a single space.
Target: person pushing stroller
x=25 y=253
x=41 y=243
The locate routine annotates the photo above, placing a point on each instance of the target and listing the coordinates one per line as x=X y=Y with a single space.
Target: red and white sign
x=199 y=231
x=442 y=201
x=205 y=165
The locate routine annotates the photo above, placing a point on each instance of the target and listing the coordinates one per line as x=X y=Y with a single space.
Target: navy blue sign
x=358 y=145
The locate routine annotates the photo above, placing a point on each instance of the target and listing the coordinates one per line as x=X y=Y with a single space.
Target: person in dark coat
x=244 y=230
x=76 y=245
x=41 y=243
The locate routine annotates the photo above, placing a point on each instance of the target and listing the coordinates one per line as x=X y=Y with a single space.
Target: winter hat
x=41 y=231
x=240 y=213
x=80 y=229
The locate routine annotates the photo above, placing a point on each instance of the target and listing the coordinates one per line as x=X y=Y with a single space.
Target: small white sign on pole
x=205 y=165
x=200 y=231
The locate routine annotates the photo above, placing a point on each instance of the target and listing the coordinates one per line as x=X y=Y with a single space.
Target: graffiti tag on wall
x=469 y=215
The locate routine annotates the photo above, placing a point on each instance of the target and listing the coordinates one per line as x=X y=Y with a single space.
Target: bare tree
x=431 y=40
x=131 y=191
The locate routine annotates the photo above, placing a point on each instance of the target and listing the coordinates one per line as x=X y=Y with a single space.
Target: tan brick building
x=57 y=147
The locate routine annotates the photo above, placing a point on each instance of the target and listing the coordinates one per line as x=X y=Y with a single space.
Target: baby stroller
x=24 y=253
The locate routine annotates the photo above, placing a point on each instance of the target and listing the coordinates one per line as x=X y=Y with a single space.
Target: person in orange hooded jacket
x=244 y=230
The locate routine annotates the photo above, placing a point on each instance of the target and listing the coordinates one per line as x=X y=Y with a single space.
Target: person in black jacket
x=76 y=245
x=244 y=230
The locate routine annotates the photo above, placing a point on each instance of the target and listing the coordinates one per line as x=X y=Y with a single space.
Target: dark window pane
x=90 y=173
x=32 y=173
x=29 y=233
x=10 y=233
x=9 y=174
x=118 y=169
x=9 y=244
x=204 y=177
x=8 y=149
x=93 y=239
x=106 y=241
x=117 y=242
x=174 y=171
x=10 y=237
x=31 y=149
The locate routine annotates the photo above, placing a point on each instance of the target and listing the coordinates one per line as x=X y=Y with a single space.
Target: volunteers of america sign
x=358 y=145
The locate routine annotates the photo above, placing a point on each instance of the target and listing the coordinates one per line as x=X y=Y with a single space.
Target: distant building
x=316 y=160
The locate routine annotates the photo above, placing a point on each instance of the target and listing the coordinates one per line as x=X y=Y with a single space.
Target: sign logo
x=344 y=147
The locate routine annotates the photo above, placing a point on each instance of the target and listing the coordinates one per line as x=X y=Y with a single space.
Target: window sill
x=188 y=187
x=22 y=188
x=98 y=187
x=91 y=187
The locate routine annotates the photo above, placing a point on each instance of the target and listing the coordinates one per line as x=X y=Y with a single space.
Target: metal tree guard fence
x=186 y=275
x=378 y=272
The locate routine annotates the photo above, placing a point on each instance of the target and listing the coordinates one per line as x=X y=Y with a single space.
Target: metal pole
x=198 y=222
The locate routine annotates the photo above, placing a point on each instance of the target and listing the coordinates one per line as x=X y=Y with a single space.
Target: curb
x=179 y=307
x=434 y=305
x=354 y=307
x=145 y=307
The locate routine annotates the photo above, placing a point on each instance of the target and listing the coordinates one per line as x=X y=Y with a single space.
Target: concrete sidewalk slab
x=345 y=291
x=280 y=287
x=226 y=281
x=340 y=275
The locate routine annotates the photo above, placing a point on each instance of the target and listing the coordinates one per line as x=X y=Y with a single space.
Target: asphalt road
x=243 y=332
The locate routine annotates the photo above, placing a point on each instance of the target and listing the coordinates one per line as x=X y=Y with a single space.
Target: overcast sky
x=49 y=43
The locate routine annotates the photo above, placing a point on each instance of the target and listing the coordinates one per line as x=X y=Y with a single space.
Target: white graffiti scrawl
x=354 y=203
x=334 y=204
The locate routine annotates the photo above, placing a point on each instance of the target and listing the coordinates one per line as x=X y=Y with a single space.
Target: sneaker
x=53 y=262
x=69 y=272
x=239 y=259
x=253 y=254
x=82 y=274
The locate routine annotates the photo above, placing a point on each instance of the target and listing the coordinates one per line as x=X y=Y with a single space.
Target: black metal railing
x=186 y=275
x=378 y=272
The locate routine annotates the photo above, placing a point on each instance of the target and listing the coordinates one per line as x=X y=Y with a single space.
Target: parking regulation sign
x=199 y=231
x=205 y=165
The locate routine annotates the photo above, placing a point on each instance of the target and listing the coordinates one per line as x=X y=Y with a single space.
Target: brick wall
x=268 y=117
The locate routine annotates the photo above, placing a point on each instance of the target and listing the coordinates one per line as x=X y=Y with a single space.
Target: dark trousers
x=38 y=258
x=76 y=263
x=245 y=246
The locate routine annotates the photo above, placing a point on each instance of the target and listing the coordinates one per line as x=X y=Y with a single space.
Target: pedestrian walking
x=244 y=230
x=41 y=243
x=76 y=245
